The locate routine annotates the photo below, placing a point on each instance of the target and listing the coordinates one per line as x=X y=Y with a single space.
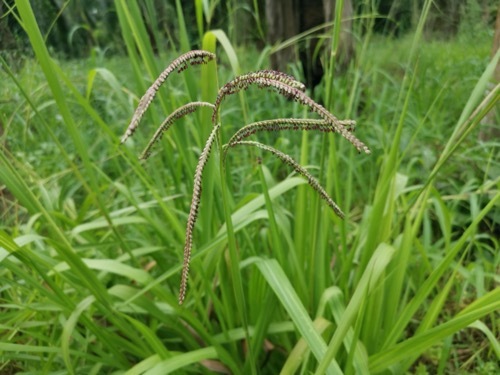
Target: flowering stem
x=234 y=256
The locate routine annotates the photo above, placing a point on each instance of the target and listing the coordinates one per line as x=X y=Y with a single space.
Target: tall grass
x=91 y=247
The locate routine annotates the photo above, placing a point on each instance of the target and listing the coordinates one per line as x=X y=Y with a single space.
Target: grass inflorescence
x=285 y=85
x=180 y=64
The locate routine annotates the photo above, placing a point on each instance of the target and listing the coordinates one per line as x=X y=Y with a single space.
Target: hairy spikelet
x=287 y=124
x=244 y=81
x=282 y=86
x=168 y=122
x=294 y=124
x=181 y=63
x=286 y=85
x=193 y=210
x=299 y=169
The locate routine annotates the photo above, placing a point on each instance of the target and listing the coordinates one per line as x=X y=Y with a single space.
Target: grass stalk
x=235 y=260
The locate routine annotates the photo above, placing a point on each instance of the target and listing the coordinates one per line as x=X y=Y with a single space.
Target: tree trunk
x=345 y=49
x=7 y=40
x=282 y=24
x=286 y=19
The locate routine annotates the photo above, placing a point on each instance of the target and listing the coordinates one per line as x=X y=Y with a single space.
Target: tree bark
x=345 y=49
x=282 y=24
x=286 y=19
x=7 y=40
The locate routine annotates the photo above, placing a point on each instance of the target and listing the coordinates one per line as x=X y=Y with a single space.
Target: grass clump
x=286 y=86
x=91 y=239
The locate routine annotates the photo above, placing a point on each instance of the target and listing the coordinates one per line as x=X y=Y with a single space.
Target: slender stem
x=234 y=257
x=274 y=232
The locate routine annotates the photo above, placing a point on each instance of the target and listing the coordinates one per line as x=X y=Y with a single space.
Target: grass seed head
x=285 y=85
x=168 y=122
x=181 y=63
x=193 y=210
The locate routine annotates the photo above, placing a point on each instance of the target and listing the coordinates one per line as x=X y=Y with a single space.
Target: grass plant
x=90 y=235
x=286 y=86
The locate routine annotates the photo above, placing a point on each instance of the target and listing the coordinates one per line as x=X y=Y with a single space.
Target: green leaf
x=286 y=294
x=182 y=360
x=369 y=281
x=68 y=329
x=418 y=343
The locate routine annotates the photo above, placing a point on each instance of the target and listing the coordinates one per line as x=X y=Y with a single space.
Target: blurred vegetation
x=79 y=28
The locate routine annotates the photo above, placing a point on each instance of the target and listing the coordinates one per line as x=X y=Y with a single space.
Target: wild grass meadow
x=308 y=254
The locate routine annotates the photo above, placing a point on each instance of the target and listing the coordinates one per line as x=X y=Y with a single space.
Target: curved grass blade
x=280 y=284
x=300 y=350
x=417 y=344
x=182 y=360
x=68 y=329
x=374 y=270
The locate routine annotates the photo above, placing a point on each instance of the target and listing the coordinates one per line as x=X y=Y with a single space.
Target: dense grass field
x=91 y=238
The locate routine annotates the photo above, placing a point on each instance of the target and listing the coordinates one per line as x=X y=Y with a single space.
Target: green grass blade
x=495 y=344
x=419 y=343
x=16 y=184
x=145 y=365
x=431 y=282
x=68 y=330
x=285 y=292
x=358 y=356
x=373 y=272
x=224 y=41
x=182 y=360
x=300 y=350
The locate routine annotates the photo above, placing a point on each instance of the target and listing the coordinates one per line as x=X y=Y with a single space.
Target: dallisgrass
x=285 y=85
x=91 y=236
